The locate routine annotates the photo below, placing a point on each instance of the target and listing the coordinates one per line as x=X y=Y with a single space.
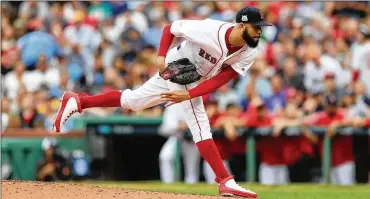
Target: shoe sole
x=229 y=195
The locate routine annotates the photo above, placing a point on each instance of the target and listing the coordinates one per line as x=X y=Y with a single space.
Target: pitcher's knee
x=201 y=135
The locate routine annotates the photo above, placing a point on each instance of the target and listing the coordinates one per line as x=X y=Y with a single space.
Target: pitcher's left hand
x=174 y=97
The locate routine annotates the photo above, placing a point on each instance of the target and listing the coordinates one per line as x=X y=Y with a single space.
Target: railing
x=249 y=133
x=136 y=125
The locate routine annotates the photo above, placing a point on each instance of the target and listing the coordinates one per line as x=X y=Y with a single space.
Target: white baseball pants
x=191 y=159
x=148 y=95
x=273 y=174
x=343 y=174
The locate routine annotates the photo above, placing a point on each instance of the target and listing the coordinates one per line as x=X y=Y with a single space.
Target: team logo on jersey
x=207 y=56
x=245 y=18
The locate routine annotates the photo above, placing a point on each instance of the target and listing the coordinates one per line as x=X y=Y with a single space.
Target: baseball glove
x=181 y=72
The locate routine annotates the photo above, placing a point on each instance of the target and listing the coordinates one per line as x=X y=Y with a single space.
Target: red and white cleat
x=69 y=104
x=228 y=188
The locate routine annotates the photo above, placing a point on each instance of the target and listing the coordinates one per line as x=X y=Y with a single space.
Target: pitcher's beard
x=249 y=40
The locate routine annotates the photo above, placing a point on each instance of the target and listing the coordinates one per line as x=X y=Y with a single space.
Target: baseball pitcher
x=213 y=53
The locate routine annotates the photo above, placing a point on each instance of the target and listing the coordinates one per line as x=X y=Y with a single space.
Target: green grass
x=294 y=191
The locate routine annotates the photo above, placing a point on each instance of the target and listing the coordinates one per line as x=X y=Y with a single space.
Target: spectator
x=290 y=75
x=118 y=7
x=55 y=16
x=256 y=78
x=70 y=9
x=152 y=34
x=54 y=166
x=360 y=101
x=332 y=117
x=298 y=152
x=277 y=101
x=272 y=169
x=9 y=41
x=5 y=106
x=44 y=74
x=348 y=100
x=14 y=80
x=80 y=64
x=226 y=95
x=330 y=86
x=37 y=43
x=100 y=10
x=28 y=116
x=316 y=68
x=65 y=84
x=33 y=9
x=361 y=56
x=79 y=33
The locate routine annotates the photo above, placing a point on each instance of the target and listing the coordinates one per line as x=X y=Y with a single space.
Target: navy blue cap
x=252 y=16
x=331 y=100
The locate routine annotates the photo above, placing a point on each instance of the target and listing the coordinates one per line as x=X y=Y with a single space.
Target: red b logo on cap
x=261 y=14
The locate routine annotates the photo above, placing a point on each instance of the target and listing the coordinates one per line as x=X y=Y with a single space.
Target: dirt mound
x=42 y=190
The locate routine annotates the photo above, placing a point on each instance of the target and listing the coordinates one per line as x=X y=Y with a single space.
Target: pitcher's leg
x=198 y=123
x=145 y=96
x=197 y=120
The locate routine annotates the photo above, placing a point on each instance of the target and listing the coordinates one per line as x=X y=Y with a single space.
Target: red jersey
x=270 y=148
x=227 y=147
x=341 y=148
x=293 y=147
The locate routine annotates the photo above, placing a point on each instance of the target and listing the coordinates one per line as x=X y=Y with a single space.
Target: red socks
x=108 y=99
x=208 y=150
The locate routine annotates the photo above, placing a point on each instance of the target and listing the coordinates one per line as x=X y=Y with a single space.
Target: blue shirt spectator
x=276 y=101
x=33 y=44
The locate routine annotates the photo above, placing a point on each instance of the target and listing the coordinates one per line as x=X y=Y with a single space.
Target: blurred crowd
x=317 y=53
x=96 y=46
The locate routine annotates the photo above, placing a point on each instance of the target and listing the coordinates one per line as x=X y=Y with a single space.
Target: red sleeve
x=213 y=83
x=166 y=40
x=312 y=119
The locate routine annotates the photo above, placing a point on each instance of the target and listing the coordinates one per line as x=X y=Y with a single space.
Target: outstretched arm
x=203 y=88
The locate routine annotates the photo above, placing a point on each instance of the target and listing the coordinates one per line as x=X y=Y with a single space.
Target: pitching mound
x=42 y=190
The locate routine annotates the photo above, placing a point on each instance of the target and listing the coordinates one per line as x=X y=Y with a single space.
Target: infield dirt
x=49 y=190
